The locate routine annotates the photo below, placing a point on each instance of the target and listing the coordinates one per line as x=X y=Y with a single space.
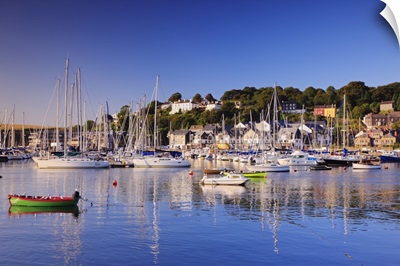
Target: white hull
x=298 y=158
x=70 y=163
x=366 y=166
x=230 y=179
x=155 y=162
x=269 y=167
x=294 y=162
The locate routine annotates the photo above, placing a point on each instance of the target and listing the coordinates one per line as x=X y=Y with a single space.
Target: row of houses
x=245 y=136
x=310 y=135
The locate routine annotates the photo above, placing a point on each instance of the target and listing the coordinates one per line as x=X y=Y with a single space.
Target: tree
x=197 y=98
x=210 y=98
x=395 y=126
x=228 y=110
x=90 y=125
x=331 y=96
x=356 y=93
x=308 y=97
x=175 y=97
x=231 y=95
x=292 y=94
x=319 y=98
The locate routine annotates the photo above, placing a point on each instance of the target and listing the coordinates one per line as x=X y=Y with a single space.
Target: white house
x=213 y=106
x=182 y=106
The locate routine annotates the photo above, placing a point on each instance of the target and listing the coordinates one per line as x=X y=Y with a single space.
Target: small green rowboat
x=44 y=201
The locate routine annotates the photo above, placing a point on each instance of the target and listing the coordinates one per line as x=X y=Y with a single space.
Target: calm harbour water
x=165 y=217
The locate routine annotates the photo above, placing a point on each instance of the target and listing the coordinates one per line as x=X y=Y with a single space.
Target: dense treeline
x=255 y=103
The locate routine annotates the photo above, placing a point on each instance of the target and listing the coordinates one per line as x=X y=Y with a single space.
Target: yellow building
x=330 y=111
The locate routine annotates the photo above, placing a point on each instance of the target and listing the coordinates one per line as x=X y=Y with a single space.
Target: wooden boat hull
x=43 y=201
x=215 y=171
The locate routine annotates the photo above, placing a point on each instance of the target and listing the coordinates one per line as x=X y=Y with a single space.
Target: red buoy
x=115 y=183
x=190 y=172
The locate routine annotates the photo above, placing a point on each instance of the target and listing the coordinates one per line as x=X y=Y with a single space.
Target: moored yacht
x=298 y=158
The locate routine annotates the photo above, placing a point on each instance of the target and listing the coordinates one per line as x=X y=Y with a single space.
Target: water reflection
x=145 y=202
x=340 y=195
x=64 y=224
x=24 y=210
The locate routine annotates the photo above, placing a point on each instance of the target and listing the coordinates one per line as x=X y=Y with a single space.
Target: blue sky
x=195 y=46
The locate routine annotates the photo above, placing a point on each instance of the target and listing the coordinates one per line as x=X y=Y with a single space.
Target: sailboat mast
x=155 y=115
x=108 y=128
x=12 y=128
x=23 y=129
x=79 y=110
x=344 y=121
x=57 y=117
x=274 y=116
x=66 y=108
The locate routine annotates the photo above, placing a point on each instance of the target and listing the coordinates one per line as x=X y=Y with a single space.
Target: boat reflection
x=23 y=210
x=225 y=191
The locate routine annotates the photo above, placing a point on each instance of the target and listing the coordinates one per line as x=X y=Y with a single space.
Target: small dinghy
x=229 y=179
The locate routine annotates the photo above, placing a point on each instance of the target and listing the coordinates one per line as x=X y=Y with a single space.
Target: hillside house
x=387 y=106
x=182 y=106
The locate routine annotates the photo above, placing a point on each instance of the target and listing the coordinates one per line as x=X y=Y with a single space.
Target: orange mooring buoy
x=115 y=183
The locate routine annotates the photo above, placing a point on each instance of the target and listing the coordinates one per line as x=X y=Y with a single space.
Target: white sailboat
x=271 y=164
x=155 y=161
x=48 y=161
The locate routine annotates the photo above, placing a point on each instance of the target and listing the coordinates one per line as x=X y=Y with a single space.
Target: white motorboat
x=229 y=179
x=366 y=165
x=268 y=167
x=298 y=158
